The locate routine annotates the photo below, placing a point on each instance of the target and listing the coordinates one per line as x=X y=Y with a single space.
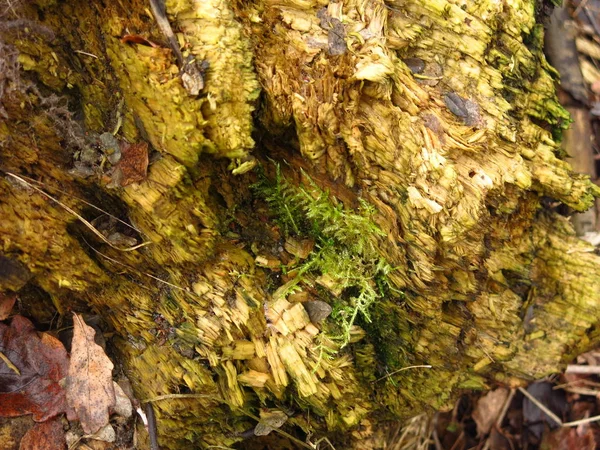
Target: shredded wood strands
x=160 y=280
x=81 y=218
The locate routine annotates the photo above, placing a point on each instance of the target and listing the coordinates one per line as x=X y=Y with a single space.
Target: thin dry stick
x=317 y=444
x=575 y=368
x=583 y=4
x=537 y=403
x=421 y=366
x=505 y=408
x=576 y=383
x=582 y=391
x=91 y=205
x=73 y=212
x=592 y=20
x=176 y=396
x=581 y=421
x=280 y=431
x=86 y=53
x=160 y=280
x=553 y=416
x=436 y=438
x=10 y=365
x=501 y=416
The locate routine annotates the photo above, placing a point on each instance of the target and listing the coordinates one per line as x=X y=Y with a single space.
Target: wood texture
x=440 y=118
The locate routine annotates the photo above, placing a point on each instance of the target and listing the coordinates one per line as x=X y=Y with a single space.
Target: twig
x=176 y=396
x=505 y=408
x=10 y=365
x=459 y=440
x=73 y=212
x=554 y=416
x=592 y=20
x=575 y=368
x=501 y=416
x=152 y=427
x=583 y=4
x=160 y=280
x=421 y=366
x=581 y=421
x=91 y=205
x=86 y=53
x=537 y=403
x=436 y=438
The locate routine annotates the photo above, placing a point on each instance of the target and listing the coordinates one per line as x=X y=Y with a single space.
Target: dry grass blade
x=582 y=5
x=160 y=280
x=10 y=365
x=76 y=214
x=574 y=368
x=91 y=205
x=414 y=434
x=420 y=366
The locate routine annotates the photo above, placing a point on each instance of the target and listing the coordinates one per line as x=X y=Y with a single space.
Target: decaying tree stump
x=353 y=188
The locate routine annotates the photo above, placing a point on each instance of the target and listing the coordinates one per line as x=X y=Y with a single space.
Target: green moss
x=344 y=259
x=390 y=333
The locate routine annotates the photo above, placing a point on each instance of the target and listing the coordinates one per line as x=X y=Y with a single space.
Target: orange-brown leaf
x=137 y=39
x=30 y=371
x=90 y=392
x=134 y=163
x=47 y=435
x=7 y=302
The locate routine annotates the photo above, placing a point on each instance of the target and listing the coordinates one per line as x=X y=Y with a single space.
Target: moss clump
x=344 y=259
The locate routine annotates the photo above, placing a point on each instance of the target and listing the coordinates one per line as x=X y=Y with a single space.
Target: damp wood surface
x=360 y=187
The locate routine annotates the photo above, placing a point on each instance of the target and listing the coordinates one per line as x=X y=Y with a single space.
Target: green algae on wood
x=488 y=279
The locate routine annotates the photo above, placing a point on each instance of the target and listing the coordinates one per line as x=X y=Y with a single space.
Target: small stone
x=317 y=310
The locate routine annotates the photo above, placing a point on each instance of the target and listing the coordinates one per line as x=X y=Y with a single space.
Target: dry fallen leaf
x=47 y=435
x=137 y=39
x=488 y=408
x=269 y=421
x=553 y=399
x=90 y=391
x=31 y=367
x=7 y=302
x=569 y=439
x=133 y=165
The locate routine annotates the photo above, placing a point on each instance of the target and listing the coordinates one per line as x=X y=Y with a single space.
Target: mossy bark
x=440 y=115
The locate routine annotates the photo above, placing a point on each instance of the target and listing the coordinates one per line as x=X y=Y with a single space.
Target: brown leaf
x=570 y=439
x=553 y=399
x=269 y=420
x=90 y=391
x=299 y=248
x=30 y=371
x=487 y=410
x=133 y=165
x=7 y=301
x=498 y=441
x=137 y=39
x=44 y=436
